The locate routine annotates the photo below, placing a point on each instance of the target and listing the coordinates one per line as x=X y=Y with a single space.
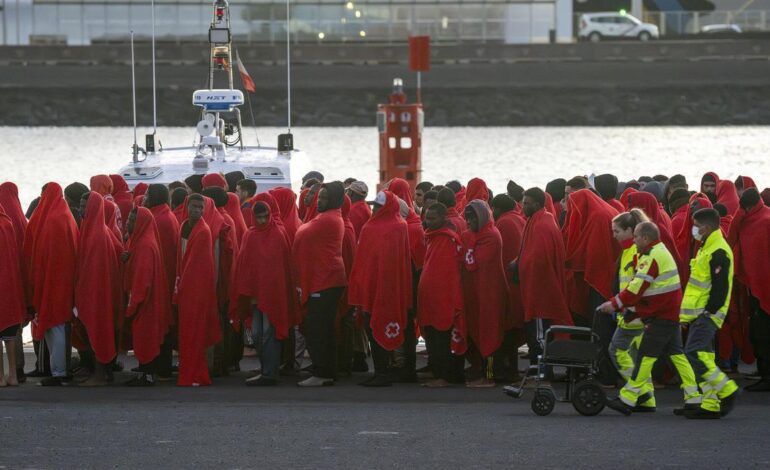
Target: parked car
x=596 y=27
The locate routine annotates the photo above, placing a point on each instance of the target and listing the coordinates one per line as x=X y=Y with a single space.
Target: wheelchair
x=579 y=355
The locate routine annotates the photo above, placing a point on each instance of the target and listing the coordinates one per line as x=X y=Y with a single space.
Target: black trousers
x=320 y=331
x=759 y=334
x=162 y=363
x=380 y=355
x=506 y=358
x=345 y=343
x=443 y=363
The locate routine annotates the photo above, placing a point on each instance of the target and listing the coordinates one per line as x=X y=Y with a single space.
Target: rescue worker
x=625 y=341
x=656 y=293
x=704 y=308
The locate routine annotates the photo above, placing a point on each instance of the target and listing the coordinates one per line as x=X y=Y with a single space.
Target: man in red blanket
x=98 y=287
x=13 y=307
x=749 y=237
x=381 y=282
x=318 y=272
x=196 y=296
x=510 y=223
x=485 y=290
x=265 y=295
x=149 y=303
x=440 y=300
x=539 y=270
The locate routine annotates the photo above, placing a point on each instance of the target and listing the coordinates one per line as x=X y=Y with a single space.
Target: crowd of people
x=206 y=265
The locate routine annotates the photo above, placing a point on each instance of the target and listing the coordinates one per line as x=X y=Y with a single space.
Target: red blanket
x=12 y=303
x=168 y=234
x=477 y=189
x=149 y=306
x=401 y=188
x=9 y=201
x=50 y=260
x=98 y=286
x=233 y=209
x=589 y=244
x=541 y=270
x=316 y=255
x=381 y=278
x=287 y=205
x=360 y=213
x=727 y=195
x=750 y=238
x=485 y=289
x=647 y=203
x=511 y=228
x=456 y=221
x=686 y=245
x=196 y=298
x=122 y=196
x=439 y=293
x=265 y=246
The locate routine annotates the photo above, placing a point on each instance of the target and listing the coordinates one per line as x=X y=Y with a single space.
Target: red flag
x=419 y=53
x=248 y=83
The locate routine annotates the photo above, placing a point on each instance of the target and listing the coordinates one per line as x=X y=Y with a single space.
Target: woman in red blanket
x=196 y=296
x=97 y=289
x=485 y=290
x=12 y=303
x=9 y=201
x=381 y=282
x=49 y=263
x=122 y=196
x=149 y=306
x=287 y=204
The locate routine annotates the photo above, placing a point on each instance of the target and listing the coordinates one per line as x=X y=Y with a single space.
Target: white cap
x=381 y=198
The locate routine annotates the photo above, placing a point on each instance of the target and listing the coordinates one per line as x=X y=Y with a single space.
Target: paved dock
x=229 y=425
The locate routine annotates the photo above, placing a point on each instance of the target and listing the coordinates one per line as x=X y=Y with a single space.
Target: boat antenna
x=286 y=141
x=154 y=93
x=135 y=149
x=288 y=66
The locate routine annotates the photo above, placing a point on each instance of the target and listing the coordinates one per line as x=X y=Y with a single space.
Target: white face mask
x=696 y=233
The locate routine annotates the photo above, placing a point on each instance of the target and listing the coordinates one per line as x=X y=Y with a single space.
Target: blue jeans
x=263 y=334
x=56 y=343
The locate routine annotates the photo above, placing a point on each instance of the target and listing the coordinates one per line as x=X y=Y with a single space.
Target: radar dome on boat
x=217 y=100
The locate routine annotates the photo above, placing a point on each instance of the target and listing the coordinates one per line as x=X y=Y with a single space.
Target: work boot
x=762 y=386
x=618 y=405
x=686 y=408
x=701 y=413
x=727 y=404
x=643 y=409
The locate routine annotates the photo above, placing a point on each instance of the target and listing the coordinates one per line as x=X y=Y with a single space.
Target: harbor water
x=529 y=155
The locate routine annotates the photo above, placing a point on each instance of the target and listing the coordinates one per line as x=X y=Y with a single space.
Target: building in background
x=85 y=22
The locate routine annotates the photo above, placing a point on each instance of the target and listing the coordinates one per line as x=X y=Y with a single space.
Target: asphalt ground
x=229 y=425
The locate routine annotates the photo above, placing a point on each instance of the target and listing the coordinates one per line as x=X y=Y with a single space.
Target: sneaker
x=314 y=381
x=762 y=386
x=700 y=413
x=618 y=405
x=376 y=381
x=755 y=375
x=140 y=381
x=688 y=407
x=260 y=381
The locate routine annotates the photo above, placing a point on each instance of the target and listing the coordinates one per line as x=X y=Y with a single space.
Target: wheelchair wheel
x=543 y=402
x=588 y=398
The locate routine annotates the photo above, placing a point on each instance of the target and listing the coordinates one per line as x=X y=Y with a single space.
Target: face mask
x=696 y=233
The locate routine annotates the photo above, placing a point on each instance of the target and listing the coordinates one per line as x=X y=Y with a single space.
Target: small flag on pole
x=248 y=83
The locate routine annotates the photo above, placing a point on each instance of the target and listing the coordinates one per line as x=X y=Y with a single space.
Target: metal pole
x=419 y=87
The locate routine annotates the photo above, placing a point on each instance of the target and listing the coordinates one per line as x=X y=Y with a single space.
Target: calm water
x=530 y=156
